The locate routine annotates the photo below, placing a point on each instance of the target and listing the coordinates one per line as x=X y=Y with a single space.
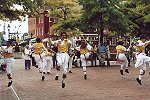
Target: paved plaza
x=103 y=83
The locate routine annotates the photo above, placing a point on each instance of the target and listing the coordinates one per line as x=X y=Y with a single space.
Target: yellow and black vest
x=140 y=49
x=38 y=48
x=48 y=53
x=62 y=48
x=83 y=50
x=119 y=49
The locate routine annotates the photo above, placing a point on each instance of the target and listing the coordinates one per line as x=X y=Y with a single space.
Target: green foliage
x=65 y=13
x=14 y=9
x=100 y=14
x=139 y=14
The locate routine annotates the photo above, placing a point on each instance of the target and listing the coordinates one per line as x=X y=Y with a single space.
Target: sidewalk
x=103 y=83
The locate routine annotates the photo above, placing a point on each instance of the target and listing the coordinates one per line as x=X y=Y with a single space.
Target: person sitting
x=101 y=49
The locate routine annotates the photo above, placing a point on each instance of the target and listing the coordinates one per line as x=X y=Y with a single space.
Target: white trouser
x=9 y=64
x=70 y=62
x=83 y=58
x=48 y=64
x=40 y=60
x=62 y=61
x=123 y=61
x=142 y=61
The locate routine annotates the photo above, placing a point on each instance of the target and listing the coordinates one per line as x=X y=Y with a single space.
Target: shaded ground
x=103 y=83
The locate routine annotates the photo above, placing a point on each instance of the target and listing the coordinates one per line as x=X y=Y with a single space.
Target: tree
x=139 y=14
x=100 y=14
x=65 y=13
x=10 y=11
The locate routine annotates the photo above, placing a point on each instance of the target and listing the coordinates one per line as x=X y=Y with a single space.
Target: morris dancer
x=39 y=55
x=62 y=56
x=9 y=60
x=84 y=51
x=121 y=58
x=49 y=62
x=142 y=60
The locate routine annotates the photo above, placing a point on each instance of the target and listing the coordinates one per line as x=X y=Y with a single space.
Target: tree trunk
x=101 y=28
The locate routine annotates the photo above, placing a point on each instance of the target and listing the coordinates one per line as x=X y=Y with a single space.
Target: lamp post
x=31 y=34
x=8 y=27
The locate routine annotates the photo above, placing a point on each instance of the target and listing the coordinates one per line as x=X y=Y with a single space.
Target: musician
x=141 y=59
x=9 y=60
x=121 y=58
x=62 y=56
x=84 y=49
x=39 y=55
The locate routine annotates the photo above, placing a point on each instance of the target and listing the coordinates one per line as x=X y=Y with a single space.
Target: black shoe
x=36 y=66
x=40 y=71
x=121 y=72
x=70 y=71
x=85 y=76
x=139 y=81
x=48 y=72
x=56 y=78
x=63 y=85
x=43 y=78
x=10 y=83
x=126 y=70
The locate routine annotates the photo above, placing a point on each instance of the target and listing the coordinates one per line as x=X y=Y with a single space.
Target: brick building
x=39 y=27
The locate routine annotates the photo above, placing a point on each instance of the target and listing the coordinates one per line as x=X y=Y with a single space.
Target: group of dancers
x=63 y=57
x=142 y=60
x=43 y=57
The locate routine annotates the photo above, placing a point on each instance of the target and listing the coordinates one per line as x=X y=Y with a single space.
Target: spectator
x=107 y=53
x=55 y=49
x=17 y=48
x=94 y=54
x=101 y=53
x=27 y=53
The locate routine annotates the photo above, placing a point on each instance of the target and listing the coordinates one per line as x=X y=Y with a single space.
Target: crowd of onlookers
x=100 y=54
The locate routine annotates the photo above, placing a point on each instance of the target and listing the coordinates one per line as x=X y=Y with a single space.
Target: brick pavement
x=103 y=83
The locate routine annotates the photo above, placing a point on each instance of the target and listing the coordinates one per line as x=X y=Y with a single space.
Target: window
x=42 y=30
x=37 y=32
x=39 y=20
